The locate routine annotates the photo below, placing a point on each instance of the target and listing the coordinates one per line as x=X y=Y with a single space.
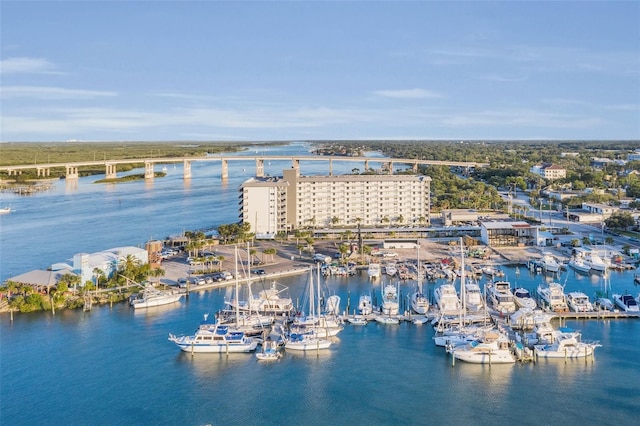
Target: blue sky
x=237 y=71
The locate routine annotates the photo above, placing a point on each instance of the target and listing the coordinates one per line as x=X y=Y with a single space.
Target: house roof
x=41 y=278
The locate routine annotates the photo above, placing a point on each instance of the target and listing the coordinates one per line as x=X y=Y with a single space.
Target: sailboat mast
x=237 y=292
x=318 y=286
x=463 y=296
x=419 y=271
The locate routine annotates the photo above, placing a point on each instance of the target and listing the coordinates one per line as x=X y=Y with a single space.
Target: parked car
x=319 y=257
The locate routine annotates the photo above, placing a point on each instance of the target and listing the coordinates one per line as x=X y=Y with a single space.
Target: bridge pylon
x=149 y=172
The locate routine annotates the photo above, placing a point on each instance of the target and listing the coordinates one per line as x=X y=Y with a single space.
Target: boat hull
x=501 y=357
x=542 y=351
x=308 y=345
x=186 y=345
x=165 y=300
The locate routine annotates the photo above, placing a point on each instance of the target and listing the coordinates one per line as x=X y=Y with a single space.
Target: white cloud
x=22 y=65
x=530 y=118
x=408 y=94
x=44 y=92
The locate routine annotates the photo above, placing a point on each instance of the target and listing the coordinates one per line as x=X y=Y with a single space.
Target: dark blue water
x=114 y=365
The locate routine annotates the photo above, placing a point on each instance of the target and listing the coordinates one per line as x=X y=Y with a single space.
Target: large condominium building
x=275 y=204
x=549 y=171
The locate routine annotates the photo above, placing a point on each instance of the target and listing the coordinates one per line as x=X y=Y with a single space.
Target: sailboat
x=310 y=332
x=453 y=335
x=419 y=302
x=250 y=321
x=215 y=337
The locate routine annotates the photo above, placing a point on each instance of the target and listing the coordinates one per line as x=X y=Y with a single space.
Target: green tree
x=271 y=252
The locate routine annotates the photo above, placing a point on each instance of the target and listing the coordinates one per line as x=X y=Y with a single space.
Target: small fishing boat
x=269 y=351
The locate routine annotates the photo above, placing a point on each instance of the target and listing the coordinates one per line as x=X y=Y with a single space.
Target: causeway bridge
x=71 y=168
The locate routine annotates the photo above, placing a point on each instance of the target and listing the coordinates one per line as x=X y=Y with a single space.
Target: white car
x=318 y=257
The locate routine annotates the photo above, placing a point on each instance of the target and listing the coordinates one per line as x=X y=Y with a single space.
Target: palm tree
x=129 y=265
x=344 y=249
x=157 y=273
x=270 y=252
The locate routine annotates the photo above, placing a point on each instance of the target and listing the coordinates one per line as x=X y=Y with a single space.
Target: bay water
x=114 y=365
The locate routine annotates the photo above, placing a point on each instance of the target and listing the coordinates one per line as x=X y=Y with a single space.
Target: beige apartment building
x=274 y=204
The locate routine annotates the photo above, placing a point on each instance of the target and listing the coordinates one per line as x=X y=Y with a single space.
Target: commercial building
x=291 y=201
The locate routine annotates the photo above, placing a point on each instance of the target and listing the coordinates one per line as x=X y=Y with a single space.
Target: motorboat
x=306 y=342
x=543 y=332
x=579 y=302
x=213 y=337
x=365 y=306
x=385 y=319
x=447 y=299
x=553 y=297
x=356 y=320
x=567 y=344
x=390 y=303
x=626 y=302
x=151 y=296
x=549 y=263
x=269 y=351
x=578 y=263
x=473 y=297
x=374 y=271
x=419 y=302
x=522 y=298
x=491 y=347
x=5 y=210
x=604 y=304
x=419 y=320
x=595 y=262
x=455 y=335
x=501 y=297
x=271 y=301
x=390 y=269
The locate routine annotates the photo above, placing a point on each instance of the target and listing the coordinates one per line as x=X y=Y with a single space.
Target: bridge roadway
x=44 y=170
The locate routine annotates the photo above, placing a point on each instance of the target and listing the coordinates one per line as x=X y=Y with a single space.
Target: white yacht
x=272 y=301
x=626 y=302
x=566 y=345
x=578 y=263
x=473 y=297
x=390 y=269
x=522 y=298
x=501 y=297
x=579 y=302
x=365 y=306
x=553 y=297
x=314 y=322
x=374 y=270
x=447 y=299
x=151 y=296
x=595 y=262
x=390 y=303
x=213 y=337
x=549 y=263
x=491 y=348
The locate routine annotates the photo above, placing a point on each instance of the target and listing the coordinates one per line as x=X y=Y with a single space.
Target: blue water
x=114 y=365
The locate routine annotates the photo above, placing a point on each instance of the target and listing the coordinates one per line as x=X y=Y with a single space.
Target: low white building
x=84 y=265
